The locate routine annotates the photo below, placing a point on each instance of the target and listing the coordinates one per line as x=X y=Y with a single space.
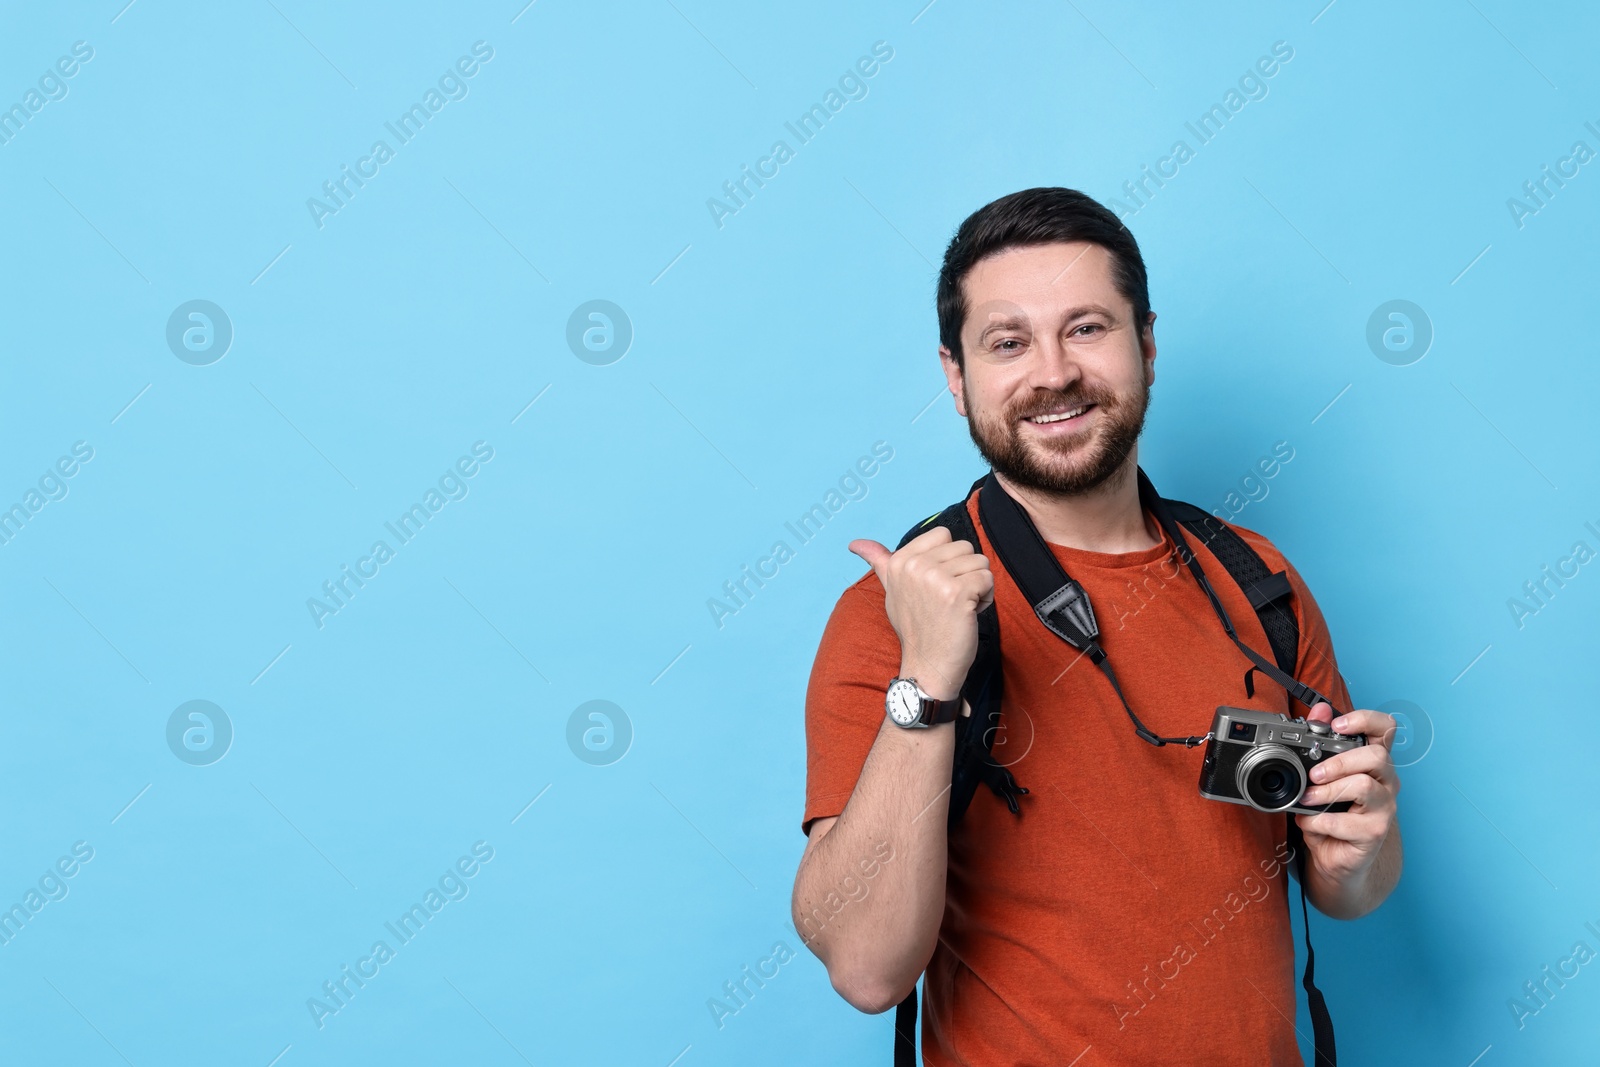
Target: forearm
x=1355 y=895
x=878 y=940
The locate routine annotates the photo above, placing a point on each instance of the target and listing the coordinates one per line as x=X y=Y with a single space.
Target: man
x=1122 y=918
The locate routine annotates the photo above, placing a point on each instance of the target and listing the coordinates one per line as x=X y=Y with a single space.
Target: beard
x=1064 y=466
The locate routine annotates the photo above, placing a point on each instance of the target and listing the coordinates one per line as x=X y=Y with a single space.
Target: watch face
x=904 y=705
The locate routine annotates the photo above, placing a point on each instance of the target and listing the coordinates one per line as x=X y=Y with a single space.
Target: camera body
x=1263 y=759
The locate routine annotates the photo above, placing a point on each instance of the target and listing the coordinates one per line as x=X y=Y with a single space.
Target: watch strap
x=936 y=711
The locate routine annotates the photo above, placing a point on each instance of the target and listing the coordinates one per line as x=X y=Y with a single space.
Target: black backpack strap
x=1261 y=591
x=1268 y=592
x=974 y=742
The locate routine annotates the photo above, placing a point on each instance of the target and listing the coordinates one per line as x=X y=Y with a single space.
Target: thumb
x=876 y=555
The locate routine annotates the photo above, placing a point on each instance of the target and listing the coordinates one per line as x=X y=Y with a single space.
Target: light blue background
x=768 y=355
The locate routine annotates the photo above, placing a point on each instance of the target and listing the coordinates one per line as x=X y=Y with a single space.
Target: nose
x=1055 y=367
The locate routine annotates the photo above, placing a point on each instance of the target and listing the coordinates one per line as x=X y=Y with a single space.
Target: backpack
x=1269 y=593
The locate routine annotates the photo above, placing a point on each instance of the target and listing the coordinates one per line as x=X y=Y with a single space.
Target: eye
x=1088 y=326
x=1001 y=347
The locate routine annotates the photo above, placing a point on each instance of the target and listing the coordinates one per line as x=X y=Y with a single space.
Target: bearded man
x=1118 y=917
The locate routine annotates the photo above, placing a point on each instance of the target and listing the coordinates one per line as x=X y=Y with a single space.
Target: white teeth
x=1074 y=413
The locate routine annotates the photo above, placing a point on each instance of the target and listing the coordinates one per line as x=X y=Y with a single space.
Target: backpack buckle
x=1005 y=785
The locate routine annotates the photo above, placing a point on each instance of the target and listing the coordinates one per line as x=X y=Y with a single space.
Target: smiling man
x=1104 y=913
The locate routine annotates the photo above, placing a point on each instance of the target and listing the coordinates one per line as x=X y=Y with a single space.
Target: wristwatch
x=910 y=707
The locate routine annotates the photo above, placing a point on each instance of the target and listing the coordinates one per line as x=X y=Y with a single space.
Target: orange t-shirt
x=1122 y=919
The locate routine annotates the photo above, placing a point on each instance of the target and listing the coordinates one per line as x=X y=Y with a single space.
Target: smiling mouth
x=1061 y=416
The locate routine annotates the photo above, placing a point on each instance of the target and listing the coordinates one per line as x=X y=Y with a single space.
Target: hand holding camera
x=1343 y=845
x=1334 y=774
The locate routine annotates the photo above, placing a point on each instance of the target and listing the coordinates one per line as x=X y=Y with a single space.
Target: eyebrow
x=1073 y=314
x=1002 y=324
x=1090 y=309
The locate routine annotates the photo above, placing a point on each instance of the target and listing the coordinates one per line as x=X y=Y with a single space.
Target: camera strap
x=1321 y=1021
x=1063 y=605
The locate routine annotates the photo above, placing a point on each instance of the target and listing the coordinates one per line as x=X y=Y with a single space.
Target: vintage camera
x=1261 y=759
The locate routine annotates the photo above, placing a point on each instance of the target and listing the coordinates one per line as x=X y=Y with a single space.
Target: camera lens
x=1271 y=778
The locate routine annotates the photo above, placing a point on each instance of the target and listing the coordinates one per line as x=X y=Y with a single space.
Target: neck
x=1108 y=518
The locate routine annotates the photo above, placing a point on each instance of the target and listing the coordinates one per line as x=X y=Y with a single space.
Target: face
x=1056 y=376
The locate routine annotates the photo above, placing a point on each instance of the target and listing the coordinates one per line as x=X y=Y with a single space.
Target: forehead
x=1040 y=279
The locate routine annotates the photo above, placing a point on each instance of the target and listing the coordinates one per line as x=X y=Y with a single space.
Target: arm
x=885 y=855
x=886 y=851
x=1354 y=856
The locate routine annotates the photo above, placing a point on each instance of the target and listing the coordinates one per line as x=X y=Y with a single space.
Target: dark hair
x=1034 y=217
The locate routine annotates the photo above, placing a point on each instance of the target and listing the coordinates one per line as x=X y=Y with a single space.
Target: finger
x=1361 y=790
x=985 y=582
x=1368 y=759
x=1358 y=829
x=974 y=583
x=967 y=564
x=936 y=535
x=942 y=553
x=876 y=555
x=1372 y=723
x=1321 y=711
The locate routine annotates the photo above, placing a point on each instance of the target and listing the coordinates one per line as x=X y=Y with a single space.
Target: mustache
x=1044 y=403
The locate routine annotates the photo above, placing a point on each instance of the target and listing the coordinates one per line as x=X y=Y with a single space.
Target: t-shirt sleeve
x=857 y=656
x=1317 y=666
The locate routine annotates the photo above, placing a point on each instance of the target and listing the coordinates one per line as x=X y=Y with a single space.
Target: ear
x=954 y=379
x=1147 y=349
